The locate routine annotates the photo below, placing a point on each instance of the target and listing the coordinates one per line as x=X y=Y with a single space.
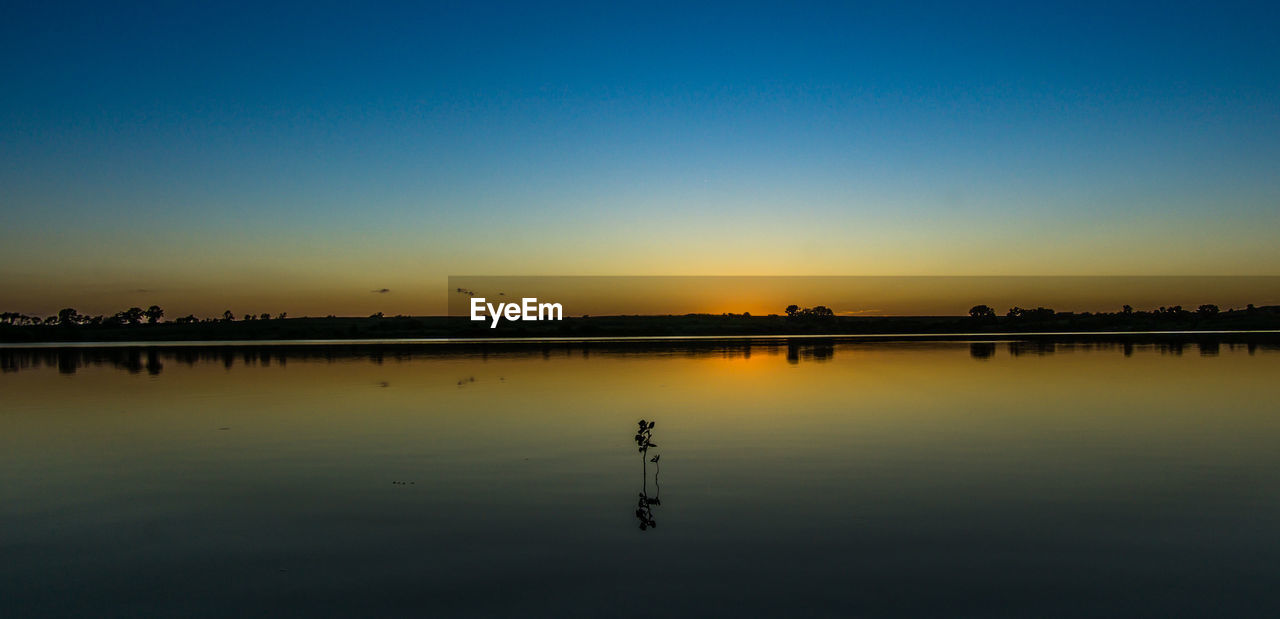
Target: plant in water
x=644 y=436
x=644 y=508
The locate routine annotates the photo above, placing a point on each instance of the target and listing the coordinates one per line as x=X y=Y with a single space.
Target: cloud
x=381 y=291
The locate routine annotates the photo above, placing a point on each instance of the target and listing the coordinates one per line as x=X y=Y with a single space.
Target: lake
x=801 y=477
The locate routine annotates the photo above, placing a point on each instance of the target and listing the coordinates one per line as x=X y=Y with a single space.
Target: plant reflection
x=646 y=503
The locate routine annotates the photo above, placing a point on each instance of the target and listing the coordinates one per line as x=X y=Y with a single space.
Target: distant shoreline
x=1258 y=322
x=1270 y=335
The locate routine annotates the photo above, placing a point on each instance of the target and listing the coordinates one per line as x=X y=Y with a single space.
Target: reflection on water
x=982 y=350
x=152 y=359
x=813 y=477
x=809 y=350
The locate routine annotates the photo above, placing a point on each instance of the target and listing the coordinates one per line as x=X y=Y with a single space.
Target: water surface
x=822 y=478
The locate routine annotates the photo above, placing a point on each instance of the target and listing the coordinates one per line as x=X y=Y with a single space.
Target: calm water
x=822 y=479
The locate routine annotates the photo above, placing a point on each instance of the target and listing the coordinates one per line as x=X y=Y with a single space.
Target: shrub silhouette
x=646 y=503
x=982 y=312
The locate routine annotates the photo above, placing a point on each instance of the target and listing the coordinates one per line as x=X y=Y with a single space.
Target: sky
x=346 y=158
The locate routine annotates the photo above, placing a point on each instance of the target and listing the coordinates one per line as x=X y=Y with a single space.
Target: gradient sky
x=299 y=157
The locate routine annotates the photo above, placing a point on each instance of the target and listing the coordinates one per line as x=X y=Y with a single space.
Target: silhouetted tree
x=1126 y=310
x=281 y=316
x=133 y=315
x=264 y=316
x=228 y=316
x=982 y=312
x=809 y=313
x=1207 y=310
x=68 y=316
x=154 y=314
x=1039 y=313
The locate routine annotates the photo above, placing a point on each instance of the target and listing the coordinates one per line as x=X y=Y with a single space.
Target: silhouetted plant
x=154 y=314
x=646 y=503
x=644 y=436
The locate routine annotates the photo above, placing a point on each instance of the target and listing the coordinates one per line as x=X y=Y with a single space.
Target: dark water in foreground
x=820 y=479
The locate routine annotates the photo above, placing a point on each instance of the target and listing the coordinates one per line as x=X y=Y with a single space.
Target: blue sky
x=316 y=151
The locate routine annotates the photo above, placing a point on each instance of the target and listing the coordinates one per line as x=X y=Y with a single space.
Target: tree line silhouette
x=819 y=312
x=154 y=323
x=69 y=317
x=987 y=314
x=154 y=314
